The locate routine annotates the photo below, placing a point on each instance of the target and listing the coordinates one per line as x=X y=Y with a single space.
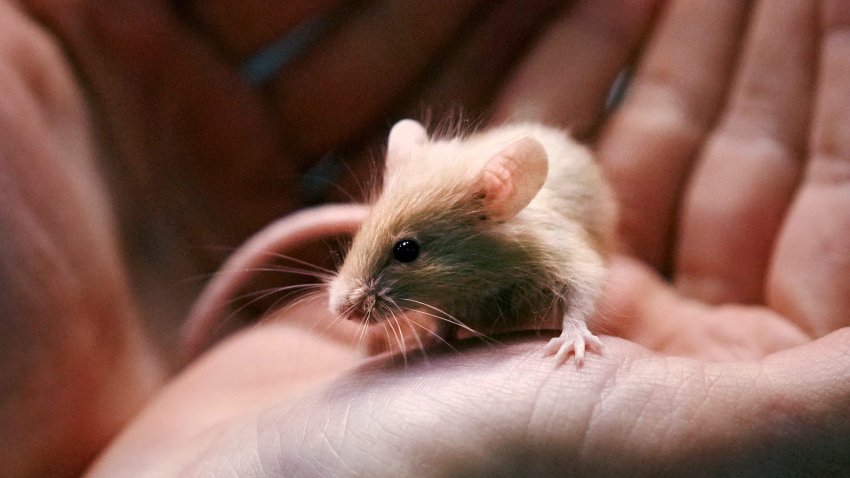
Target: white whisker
x=299 y=261
x=399 y=336
x=410 y=325
x=293 y=270
x=260 y=295
x=437 y=336
x=361 y=335
x=445 y=316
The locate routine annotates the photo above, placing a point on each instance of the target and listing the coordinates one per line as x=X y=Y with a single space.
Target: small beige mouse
x=513 y=223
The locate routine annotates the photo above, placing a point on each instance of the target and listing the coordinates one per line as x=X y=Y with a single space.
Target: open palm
x=729 y=164
x=728 y=304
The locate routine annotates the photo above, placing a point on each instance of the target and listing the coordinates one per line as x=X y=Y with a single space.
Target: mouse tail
x=201 y=325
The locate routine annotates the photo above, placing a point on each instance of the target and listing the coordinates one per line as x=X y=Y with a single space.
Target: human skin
x=132 y=119
x=729 y=301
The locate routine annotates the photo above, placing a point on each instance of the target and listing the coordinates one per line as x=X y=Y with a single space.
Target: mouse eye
x=406 y=250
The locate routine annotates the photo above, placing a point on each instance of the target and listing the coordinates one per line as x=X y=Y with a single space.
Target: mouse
x=505 y=224
x=509 y=224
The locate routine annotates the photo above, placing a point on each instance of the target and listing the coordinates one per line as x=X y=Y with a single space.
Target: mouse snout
x=353 y=303
x=361 y=308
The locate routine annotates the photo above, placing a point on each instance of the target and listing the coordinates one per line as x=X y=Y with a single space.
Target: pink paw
x=574 y=338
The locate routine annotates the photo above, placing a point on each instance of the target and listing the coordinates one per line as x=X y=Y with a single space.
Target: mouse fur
x=512 y=223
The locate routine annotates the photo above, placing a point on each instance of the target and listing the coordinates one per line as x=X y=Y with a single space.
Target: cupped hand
x=141 y=139
x=210 y=128
x=730 y=159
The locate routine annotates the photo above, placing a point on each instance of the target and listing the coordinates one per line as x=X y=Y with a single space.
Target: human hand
x=217 y=151
x=193 y=157
x=619 y=406
x=74 y=365
x=201 y=156
x=732 y=377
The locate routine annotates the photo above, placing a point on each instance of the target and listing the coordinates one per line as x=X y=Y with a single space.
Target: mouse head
x=434 y=240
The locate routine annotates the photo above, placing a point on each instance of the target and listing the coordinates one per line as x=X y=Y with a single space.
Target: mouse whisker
x=387 y=334
x=410 y=324
x=299 y=261
x=316 y=292
x=454 y=321
x=435 y=335
x=346 y=314
x=392 y=303
x=365 y=194
x=443 y=315
x=289 y=291
x=283 y=268
x=318 y=182
x=361 y=334
x=444 y=318
x=295 y=270
x=322 y=275
x=335 y=319
x=311 y=295
x=399 y=336
x=263 y=293
x=364 y=327
x=257 y=296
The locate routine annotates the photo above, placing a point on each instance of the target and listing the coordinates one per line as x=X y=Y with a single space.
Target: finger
x=357 y=72
x=567 y=77
x=244 y=27
x=177 y=123
x=454 y=94
x=641 y=307
x=746 y=176
x=478 y=65
x=810 y=281
x=649 y=143
x=728 y=419
x=268 y=366
x=74 y=365
x=457 y=94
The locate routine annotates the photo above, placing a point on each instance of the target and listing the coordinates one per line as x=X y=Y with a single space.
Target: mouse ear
x=511 y=178
x=405 y=143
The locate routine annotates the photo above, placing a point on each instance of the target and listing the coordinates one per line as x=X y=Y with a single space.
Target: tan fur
x=548 y=257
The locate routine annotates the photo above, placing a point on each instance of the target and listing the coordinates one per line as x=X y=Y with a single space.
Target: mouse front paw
x=575 y=337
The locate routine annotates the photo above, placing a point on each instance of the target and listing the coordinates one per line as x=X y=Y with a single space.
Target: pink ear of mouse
x=511 y=178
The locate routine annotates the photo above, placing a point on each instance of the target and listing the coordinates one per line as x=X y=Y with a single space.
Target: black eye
x=406 y=250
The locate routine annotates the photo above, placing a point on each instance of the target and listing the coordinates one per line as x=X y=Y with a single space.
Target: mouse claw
x=575 y=339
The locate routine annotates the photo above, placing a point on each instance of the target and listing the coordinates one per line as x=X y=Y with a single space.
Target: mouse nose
x=356 y=314
x=361 y=309
x=349 y=308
